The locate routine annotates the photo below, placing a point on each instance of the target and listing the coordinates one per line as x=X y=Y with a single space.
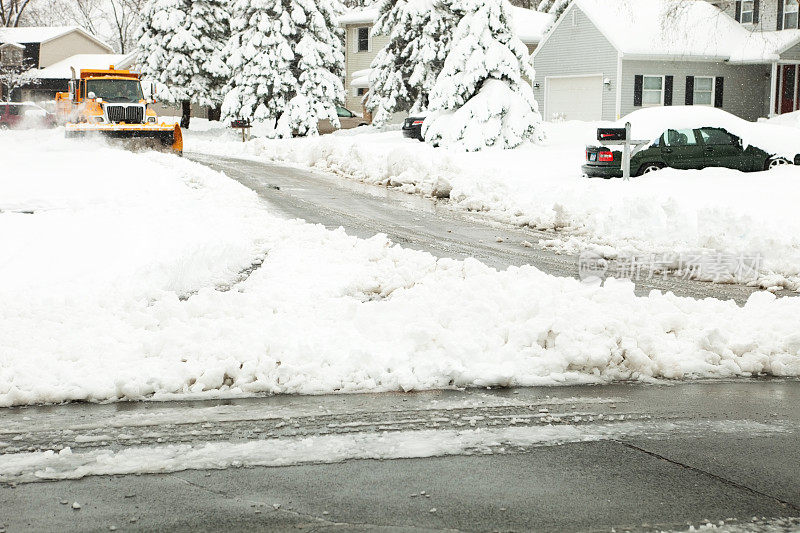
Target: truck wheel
x=649 y=167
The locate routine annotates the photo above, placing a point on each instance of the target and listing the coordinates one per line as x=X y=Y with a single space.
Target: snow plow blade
x=154 y=137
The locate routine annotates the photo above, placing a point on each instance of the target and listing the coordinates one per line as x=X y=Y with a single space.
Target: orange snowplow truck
x=111 y=103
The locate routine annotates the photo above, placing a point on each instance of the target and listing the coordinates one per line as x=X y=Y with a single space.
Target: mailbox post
x=617 y=136
x=244 y=125
x=626 y=153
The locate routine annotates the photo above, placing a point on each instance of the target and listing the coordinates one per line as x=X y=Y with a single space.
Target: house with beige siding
x=361 y=46
x=43 y=47
x=603 y=59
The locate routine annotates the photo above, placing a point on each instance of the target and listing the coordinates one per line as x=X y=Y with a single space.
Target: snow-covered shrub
x=405 y=70
x=180 y=45
x=481 y=98
x=286 y=57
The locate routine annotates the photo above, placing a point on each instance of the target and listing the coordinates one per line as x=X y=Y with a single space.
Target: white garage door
x=574 y=98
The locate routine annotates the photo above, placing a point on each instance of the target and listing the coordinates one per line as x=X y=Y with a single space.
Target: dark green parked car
x=682 y=149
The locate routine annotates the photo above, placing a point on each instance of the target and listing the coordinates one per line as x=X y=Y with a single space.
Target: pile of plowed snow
x=135 y=275
x=715 y=210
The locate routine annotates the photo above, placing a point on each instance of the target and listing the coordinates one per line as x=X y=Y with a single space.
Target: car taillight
x=605 y=156
x=417 y=122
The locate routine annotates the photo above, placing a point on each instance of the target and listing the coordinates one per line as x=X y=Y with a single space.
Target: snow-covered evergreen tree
x=554 y=7
x=180 y=43
x=287 y=62
x=319 y=64
x=480 y=98
x=405 y=70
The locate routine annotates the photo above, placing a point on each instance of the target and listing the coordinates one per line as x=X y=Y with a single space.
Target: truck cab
x=112 y=102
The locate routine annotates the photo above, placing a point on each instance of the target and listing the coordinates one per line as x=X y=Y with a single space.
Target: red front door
x=787 y=89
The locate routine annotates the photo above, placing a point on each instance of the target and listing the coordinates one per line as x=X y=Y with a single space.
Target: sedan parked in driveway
x=697 y=147
x=682 y=149
x=412 y=127
x=24 y=115
x=347 y=120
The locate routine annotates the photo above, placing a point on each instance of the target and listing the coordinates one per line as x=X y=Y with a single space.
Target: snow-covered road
x=429 y=225
x=164 y=279
x=167 y=280
x=714 y=210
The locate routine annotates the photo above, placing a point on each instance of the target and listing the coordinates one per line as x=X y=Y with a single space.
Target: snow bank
x=541 y=186
x=163 y=278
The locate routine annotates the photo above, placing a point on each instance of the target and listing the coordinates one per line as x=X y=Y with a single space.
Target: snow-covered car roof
x=682 y=29
x=649 y=123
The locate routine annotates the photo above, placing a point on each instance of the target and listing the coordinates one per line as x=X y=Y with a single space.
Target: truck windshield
x=127 y=91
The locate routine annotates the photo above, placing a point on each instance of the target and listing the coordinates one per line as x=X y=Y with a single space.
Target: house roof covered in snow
x=530 y=25
x=682 y=29
x=43 y=34
x=359 y=16
x=361 y=78
x=61 y=70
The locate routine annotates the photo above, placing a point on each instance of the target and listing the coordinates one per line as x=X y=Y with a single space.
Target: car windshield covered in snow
x=120 y=91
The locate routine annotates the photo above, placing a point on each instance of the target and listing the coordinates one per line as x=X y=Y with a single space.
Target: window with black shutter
x=745 y=11
x=703 y=90
x=790 y=14
x=718 y=89
x=653 y=90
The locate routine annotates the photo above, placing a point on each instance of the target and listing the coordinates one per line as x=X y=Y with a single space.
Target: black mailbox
x=611 y=134
x=241 y=123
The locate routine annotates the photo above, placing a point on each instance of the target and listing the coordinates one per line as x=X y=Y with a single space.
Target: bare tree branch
x=11 y=12
x=13 y=77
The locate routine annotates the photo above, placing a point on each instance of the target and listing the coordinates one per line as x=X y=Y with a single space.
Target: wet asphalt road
x=424 y=224
x=668 y=455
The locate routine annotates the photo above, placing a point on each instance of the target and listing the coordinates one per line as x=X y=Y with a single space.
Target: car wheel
x=774 y=162
x=4 y=126
x=363 y=124
x=650 y=167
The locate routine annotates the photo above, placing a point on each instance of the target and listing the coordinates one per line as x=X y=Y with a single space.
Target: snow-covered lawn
x=541 y=186
x=134 y=275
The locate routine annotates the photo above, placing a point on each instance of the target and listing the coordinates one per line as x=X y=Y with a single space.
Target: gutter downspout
x=618 y=108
